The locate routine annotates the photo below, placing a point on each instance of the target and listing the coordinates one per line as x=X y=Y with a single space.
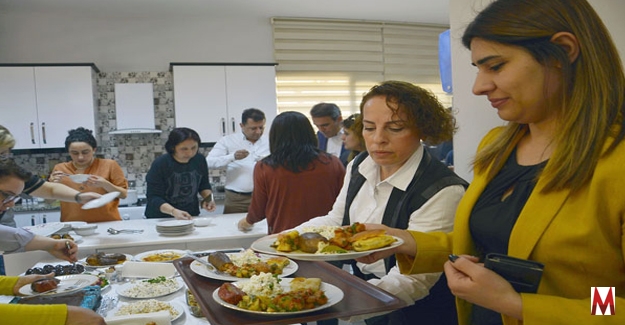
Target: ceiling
x=421 y=11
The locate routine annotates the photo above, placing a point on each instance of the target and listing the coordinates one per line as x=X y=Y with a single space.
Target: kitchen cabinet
x=39 y=104
x=211 y=98
x=23 y=219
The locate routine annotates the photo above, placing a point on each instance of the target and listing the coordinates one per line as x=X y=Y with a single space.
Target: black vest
x=431 y=176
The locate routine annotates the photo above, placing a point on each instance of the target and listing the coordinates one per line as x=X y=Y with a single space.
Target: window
x=338 y=61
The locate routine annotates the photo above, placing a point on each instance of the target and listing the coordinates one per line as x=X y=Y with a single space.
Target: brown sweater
x=288 y=199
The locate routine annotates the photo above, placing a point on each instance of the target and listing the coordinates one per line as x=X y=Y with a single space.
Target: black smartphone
x=523 y=275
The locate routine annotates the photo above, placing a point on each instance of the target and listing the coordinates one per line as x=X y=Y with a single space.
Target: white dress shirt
x=239 y=173
x=437 y=214
x=335 y=144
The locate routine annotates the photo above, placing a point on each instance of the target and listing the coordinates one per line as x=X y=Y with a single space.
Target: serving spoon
x=126 y=231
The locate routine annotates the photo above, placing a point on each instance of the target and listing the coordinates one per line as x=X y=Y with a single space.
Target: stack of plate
x=175 y=227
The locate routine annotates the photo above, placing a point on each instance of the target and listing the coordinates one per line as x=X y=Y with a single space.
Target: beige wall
x=474 y=114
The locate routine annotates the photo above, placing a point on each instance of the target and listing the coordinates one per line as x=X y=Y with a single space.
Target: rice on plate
x=156 y=287
x=147 y=306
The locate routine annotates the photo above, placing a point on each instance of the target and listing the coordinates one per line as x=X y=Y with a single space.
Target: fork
x=76 y=285
x=202 y=261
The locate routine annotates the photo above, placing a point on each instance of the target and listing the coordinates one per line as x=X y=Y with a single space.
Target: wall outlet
x=132 y=184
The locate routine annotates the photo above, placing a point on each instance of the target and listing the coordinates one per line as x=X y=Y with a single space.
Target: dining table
x=221 y=232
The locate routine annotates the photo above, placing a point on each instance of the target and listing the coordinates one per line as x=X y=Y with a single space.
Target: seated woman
x=105 y=176
x=176 y=178
x=398 y=183
x=12 y=180
x=297 y=181
x=352 y=136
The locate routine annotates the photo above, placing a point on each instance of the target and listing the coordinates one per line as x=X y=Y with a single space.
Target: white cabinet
x=40 y=104
x=23 y=219
x=211 y=98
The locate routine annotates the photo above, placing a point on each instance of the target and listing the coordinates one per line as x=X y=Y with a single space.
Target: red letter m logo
x=603 y=303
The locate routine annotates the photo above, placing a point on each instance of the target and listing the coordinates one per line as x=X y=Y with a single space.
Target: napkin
x=158 y=318
x=148 y=270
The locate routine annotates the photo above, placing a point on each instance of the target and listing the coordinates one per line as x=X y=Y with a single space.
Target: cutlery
x=205 y=263
x=126 y=231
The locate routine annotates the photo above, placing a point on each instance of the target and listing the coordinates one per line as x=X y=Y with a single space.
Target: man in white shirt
x=240 y=152
x=327 y=118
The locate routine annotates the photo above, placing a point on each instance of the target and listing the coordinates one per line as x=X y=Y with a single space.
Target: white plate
x=263 y=245
x=66 y=281
x=176 y=234
x=178 y=307
x=174 y=223
x=171 y=252
x=334 y=294
x=203 y=222
x=83 y=261
x=121 y=290
x=45 y=229
x=158 y=318
x=201 y=269
x=79 y=178
x=106 y=198
x=75 y=223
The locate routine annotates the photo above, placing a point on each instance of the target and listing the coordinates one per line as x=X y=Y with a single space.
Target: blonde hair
x=6 y=138
x=592 y=102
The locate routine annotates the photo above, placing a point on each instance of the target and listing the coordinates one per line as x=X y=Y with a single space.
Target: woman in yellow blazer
x=546 y=185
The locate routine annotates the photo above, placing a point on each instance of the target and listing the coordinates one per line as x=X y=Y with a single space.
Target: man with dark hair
x=240 y=152
x=327 y=118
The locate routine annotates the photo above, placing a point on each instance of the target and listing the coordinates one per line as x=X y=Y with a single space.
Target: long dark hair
x=593 y=92
x=293 y=143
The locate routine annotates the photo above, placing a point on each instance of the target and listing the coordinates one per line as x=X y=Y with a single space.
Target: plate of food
x=284 y=294
x=149 y=288
x=161 y=255
x=58 y=285
x=105 y=259
x=326 y=243
x=175 y=310
x=73 y=237
x=238 y=266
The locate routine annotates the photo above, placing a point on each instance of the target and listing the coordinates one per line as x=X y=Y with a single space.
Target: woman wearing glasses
x=36 y=186
x=12 y=179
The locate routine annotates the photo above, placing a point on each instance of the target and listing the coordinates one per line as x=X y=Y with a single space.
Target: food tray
x=360 y=298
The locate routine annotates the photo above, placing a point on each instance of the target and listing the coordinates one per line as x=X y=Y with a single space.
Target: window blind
x=321 y=60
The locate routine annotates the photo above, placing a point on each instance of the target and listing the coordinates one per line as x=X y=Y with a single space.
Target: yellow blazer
x=19 y=314
x=579 y=238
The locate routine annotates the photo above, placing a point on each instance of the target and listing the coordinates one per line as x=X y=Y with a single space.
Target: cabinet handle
x=32 y=132
x=32 y=220
x=223 y=126
x=233 y=124
x=43 y=132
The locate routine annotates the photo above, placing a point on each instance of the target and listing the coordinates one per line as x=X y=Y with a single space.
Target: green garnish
x=158 y=279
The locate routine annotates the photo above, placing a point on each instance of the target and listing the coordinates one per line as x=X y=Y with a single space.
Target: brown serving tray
x=360 y=296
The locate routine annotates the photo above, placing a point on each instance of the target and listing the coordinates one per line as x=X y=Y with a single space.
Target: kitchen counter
x=221 y=233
